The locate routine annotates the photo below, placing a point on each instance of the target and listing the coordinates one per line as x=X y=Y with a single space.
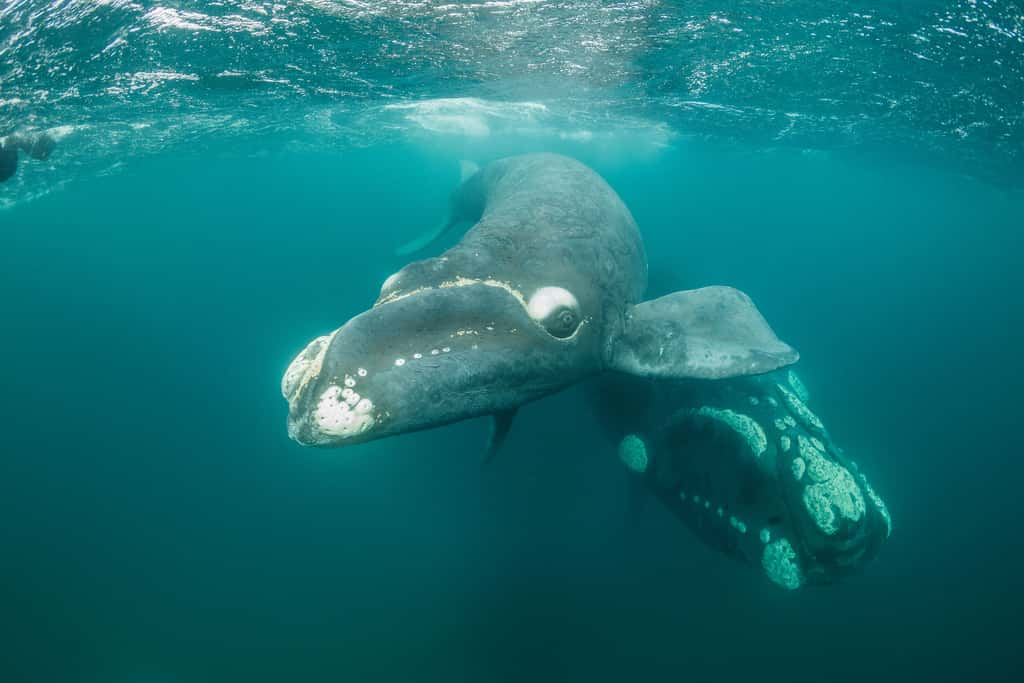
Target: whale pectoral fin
x=427 y=238
x=465 y=207
x=707 y=333
x=499 y=430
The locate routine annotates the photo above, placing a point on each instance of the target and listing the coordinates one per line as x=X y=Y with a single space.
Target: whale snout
x=319 y=411
x=421 y=361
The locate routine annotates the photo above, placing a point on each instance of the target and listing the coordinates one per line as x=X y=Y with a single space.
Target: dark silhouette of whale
x=749 y=468
x=542 y=292
x=38 y=147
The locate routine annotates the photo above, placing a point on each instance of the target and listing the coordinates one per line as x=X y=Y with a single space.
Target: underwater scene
x=512 y=340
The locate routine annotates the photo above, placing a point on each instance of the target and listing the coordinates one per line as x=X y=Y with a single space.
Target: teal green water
x=160 y=270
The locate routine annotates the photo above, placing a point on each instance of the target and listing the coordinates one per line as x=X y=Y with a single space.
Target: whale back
x=542 y=220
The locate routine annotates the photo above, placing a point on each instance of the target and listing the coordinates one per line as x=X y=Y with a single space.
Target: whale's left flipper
x=465 y=207
x=502 y=423
x=707 y=333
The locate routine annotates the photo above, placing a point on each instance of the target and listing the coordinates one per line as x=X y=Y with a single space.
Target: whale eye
x=557 y=311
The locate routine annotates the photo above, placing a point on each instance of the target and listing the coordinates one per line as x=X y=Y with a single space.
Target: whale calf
x=542 y=292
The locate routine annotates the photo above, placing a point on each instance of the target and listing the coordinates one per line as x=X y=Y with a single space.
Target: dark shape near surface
x=38 y=147
x=8 y=162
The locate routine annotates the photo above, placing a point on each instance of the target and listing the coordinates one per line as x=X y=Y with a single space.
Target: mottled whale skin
x=543 y=291
x=749 y=468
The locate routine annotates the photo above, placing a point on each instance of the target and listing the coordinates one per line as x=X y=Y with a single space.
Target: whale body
x=542 y=292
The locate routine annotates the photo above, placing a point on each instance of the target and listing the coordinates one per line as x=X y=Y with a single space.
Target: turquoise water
x=231 y=180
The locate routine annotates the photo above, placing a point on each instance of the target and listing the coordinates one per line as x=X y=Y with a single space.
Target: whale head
x=436 y=355
x=754 y=474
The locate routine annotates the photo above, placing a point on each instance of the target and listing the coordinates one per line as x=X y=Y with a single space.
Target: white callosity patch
x=719 y=511
x=785 y=443
x=879 y=504
x=780 y=563
x=765 y=535
x=833 y=494
x=798 y=386
x=633 y=453
x=800 y=409
x=744 y=425
x=799 y=467
x=304 y=367
x=348 y=416
x=785 y=422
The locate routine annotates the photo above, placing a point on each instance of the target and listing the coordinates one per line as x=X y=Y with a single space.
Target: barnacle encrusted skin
x=744 y=425
x=833 y=494
x=800 y=409
x=798 y=386
x=780 y=563
x=633 y=453
x=799 y=467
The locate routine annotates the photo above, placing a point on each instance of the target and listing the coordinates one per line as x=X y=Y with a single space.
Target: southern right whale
x=542 y=292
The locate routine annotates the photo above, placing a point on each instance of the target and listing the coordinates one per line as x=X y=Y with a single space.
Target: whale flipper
x=707 y=333
x=426 y=239
x=499 y=430
x=467 y=169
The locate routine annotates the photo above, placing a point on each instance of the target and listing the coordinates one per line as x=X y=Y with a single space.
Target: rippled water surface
x=937 y=80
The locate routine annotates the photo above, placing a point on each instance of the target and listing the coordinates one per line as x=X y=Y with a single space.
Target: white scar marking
x=417 y=356
x=361 y=372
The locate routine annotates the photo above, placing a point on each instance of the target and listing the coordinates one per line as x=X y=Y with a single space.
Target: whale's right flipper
x=707 y=333
x=459 y=213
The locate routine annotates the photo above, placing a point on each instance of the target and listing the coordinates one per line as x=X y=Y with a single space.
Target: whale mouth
x=438 y=356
